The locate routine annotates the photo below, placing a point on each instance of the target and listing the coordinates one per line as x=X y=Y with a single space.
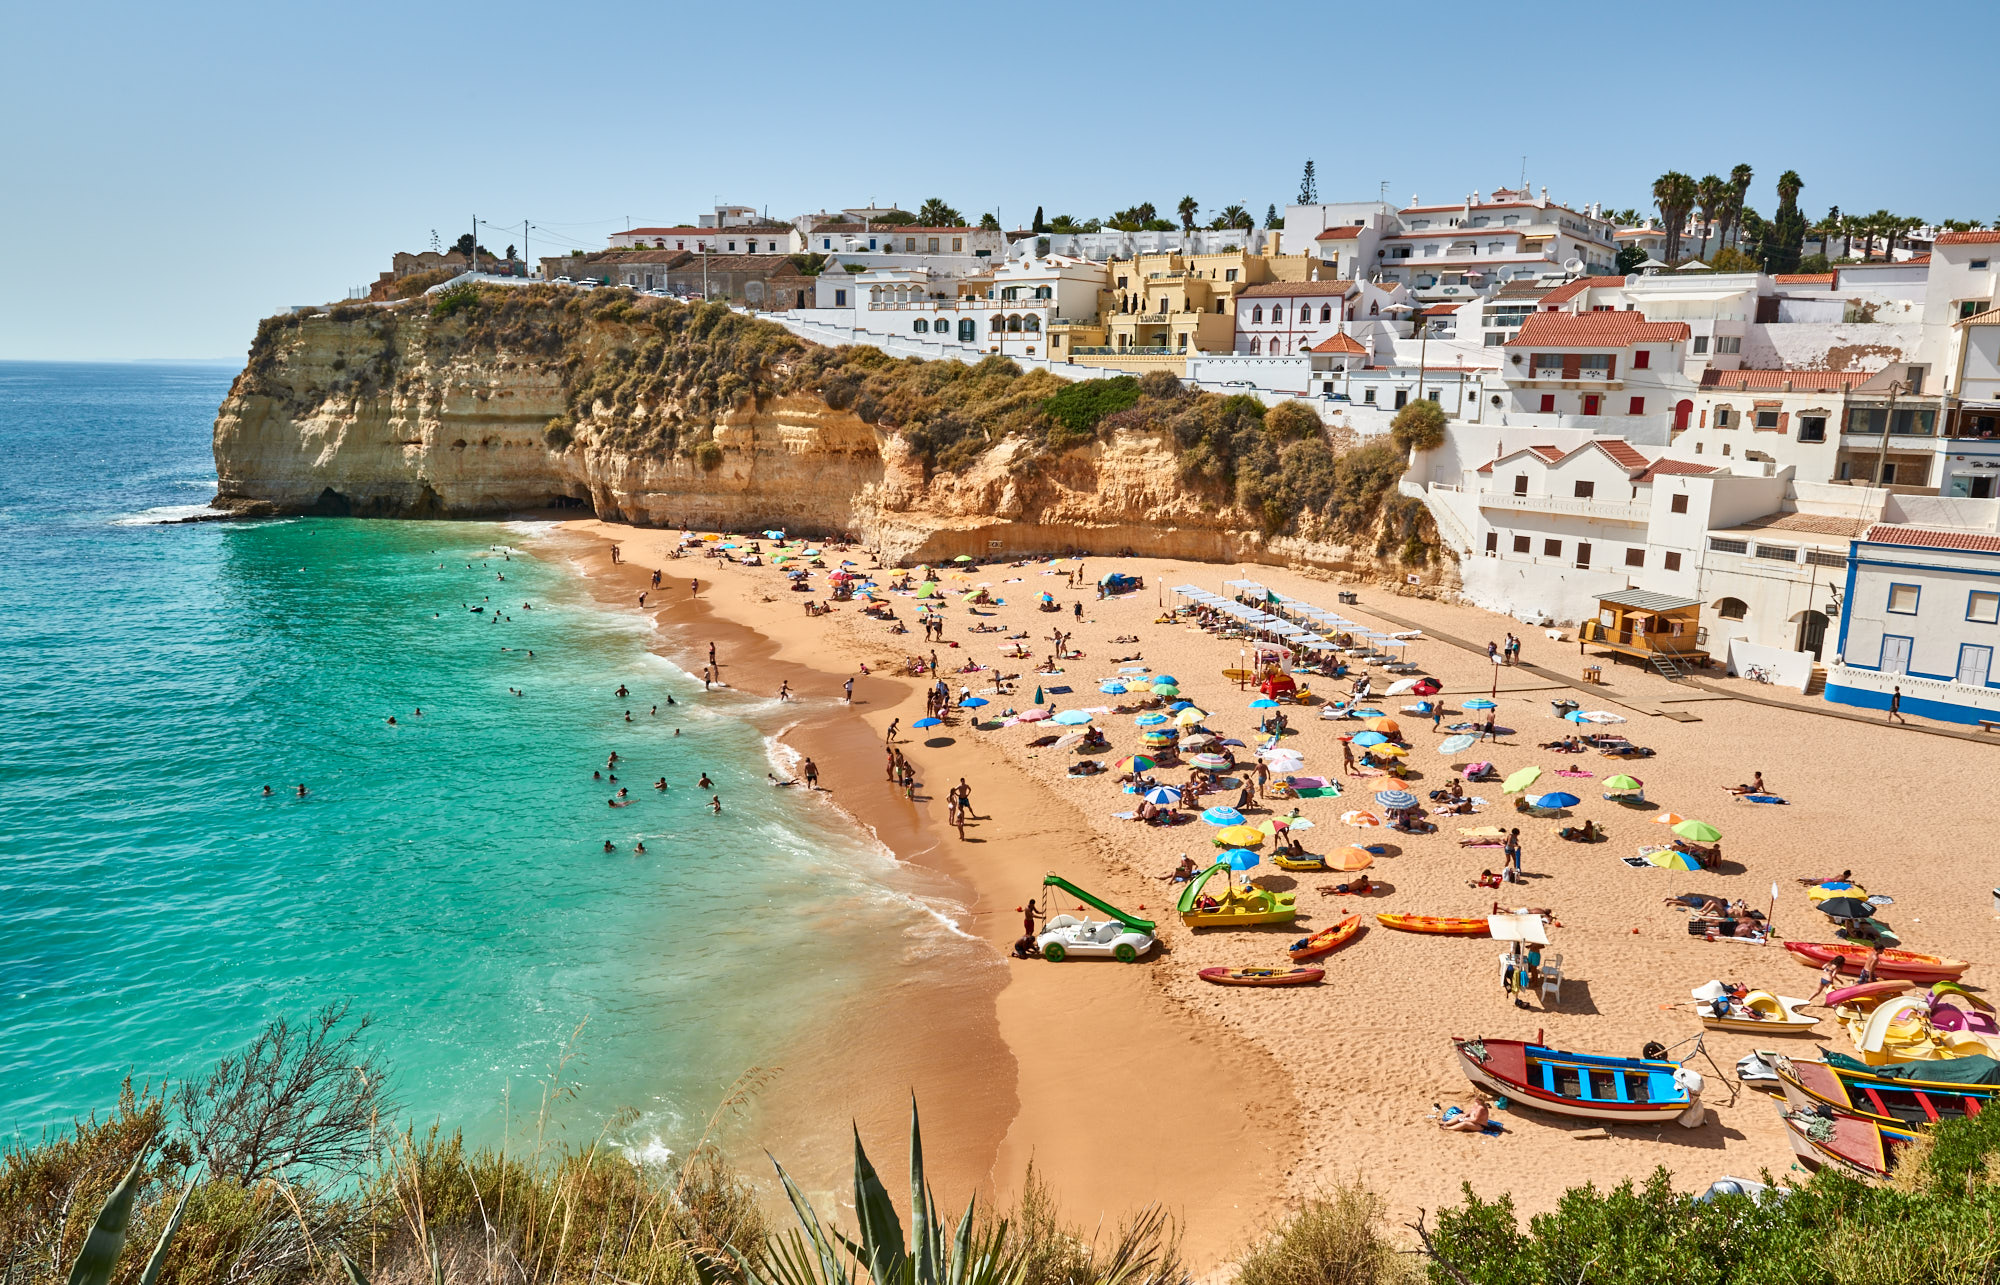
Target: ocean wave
x=167 y=514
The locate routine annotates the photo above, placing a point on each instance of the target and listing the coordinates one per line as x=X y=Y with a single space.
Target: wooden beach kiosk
x=1656 y=629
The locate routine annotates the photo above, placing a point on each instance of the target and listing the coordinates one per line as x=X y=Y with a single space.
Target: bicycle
x=1757 y=673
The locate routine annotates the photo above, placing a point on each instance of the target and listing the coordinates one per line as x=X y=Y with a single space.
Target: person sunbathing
x=1819 y=881
x=1755 y=786
x=1585 y=833
x=1358 y=887
x=1182 y=872
x=1458 y=1120
x=1486 y=879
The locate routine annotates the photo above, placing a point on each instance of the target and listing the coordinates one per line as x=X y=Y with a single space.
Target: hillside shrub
x=1419 y=426
x=454 y=300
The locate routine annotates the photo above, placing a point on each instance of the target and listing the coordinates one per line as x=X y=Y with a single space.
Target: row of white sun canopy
x=1264 y=620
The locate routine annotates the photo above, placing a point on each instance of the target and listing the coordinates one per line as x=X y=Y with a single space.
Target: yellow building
x=1157 y=308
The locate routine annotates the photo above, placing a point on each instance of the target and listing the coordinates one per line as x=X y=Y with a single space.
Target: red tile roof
x=1297 y=289
x=1673 y=466
x=1595 y=330
x=1339 y=234
x=1342 y=343
x=1549 y=454
x=675 y=231
x=1922 y=258
x=1803 y=278
x=1919 y=538
x=1621 y=450
x=1978 y=236
x=1441 y=309
x=1563 y=294
x=1802 y=381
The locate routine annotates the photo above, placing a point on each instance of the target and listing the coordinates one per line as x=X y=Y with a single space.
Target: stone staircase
x=1817 y=683
x=1449 y=526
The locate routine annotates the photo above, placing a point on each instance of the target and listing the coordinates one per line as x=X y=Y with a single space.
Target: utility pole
x=1882 y=456
x=475 y=243
x=525 y=260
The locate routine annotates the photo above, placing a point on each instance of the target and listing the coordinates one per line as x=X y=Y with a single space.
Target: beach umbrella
x=1387 y=751
x=1210 y=760
x=1239 y=859
x=1064 y=742
x=1350 y=859
x=1165 y=678
x=1158 y=740
x=1189 y=717
x=1427 y=687
x=1555 y=800
x=1165 y=689
x=1134 y=763
x=1072 y=718
x=1367 y=713
x=963 y=557
x=1144 y=720
x=1239 y=836
x=1388 y=726
x=973 y=702
x=1284 y=761
x=1396 y=800
x=1846 y=908
x=1222 y=816
x=1400 y=686
x=1163 y=795
x=732 y=546
x=1669 y=818
x=1574 y=716
x=1622 y=784
x=1032 y=715
x=1360 y=820
x=1668 y=859
x=1113 y=688
x=1481 y=703
x=923 y=571
x=1601 y=716
x=1521 y=780
x=1366 y=739
x=1453 y=744
x=774 y=535
x=1697 y=831
x=928 y=722
x=928 y=589
x=1263 y=702
x=1038 y=694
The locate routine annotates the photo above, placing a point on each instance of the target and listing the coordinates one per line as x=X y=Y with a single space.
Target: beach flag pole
x=1772 y=918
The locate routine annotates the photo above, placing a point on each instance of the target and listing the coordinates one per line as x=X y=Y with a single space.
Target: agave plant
x=98 y=1258
x=815 y=1253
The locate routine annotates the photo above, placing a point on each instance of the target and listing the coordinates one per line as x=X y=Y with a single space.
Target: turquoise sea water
x=447 y=874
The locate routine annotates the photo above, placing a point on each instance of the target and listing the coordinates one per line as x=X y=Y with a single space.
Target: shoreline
x=1073 y=1069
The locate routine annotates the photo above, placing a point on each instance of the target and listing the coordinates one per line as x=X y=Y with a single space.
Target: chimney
x=1276 y=234
x=1545 y=196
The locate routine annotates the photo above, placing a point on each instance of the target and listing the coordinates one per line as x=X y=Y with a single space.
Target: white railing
x=1609 y=510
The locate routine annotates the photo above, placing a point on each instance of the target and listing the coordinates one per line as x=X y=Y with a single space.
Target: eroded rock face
x=372 y=416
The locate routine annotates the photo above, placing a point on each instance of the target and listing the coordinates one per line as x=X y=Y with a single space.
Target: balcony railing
x=1155 y=350
x=1164 y=276
x=1075 y=321
x=1144 y=318
x=1608 y=510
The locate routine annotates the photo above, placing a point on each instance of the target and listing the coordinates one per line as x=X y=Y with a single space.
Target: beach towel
x=1318 y=792
x=1306 y=782
x=1637 y=863
x=1760 y=798
x=1123 y=816
x=1573 y=771
x=1059 y=691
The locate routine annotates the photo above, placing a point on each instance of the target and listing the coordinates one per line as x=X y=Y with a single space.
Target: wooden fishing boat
x=1574 y=1084
x=1313 y=865
x=1773 y=1015
x=1893 y=963
x=1886 y=1099
x=1262 y=976
x=1326 y=939
x=1864 y=1148
x=1433 y=924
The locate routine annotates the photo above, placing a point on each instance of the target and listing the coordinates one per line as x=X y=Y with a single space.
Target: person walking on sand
x=1896 y=706
x=1347 y=767
x=894 y=723
x=785 y=690
x=965 y=797
x=1487 y=732
x=1437 y=714
x=849 y=689
x=1510 y=852
x=812 y=775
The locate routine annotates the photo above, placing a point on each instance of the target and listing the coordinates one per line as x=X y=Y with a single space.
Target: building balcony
x=1583 y=379
x=1568 y=506
x=1064 y=322
x=1904 y=442
x=1136 y=350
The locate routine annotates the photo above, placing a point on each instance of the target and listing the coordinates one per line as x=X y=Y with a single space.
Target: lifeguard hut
x=1656 y=629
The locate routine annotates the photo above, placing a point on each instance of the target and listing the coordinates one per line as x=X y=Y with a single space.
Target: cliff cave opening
x=568 y=502
x=331 y=504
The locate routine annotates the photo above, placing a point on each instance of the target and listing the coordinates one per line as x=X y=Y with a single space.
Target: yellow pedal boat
x=1239 y=906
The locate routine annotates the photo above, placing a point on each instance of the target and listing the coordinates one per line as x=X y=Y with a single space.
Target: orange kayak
x=1262 y=976
x=1327 y=939
x=1433 y=924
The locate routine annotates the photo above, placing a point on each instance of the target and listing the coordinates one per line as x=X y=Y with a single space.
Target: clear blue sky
x=170 y=173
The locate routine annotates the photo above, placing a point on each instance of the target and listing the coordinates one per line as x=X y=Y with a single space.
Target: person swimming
x=608 y=847
x=660 y=784
x=715 y=804
x=267 y=791
x=705 y=783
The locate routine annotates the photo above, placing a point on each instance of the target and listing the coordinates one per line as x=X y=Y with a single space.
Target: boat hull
x=1312 y=865
x=1860 y=1147
x=1262 y=976
x=1508 y=1066
x=1328 y=939
x=1898 y=1103
x=1902 y=964
x=1433 y=924
x=1225 y=919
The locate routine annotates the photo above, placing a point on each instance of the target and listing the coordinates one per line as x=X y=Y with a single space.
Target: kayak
x=1864 y=990
x=1262 y=976
x=1315 y=865
x=1326 y=939
x=1893 y=963
x=1433 y=924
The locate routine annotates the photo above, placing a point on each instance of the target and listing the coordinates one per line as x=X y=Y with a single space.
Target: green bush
x=1079 y=407
x=557 y=435
x=1336 y=1237
x=709 y=455
x=454 y=300
x=1419 y=426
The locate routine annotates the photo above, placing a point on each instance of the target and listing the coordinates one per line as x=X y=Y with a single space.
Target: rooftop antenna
x=1524 y=173
x=1384 y=197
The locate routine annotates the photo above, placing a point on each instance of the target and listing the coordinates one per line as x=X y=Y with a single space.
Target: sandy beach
x=1133 y=1084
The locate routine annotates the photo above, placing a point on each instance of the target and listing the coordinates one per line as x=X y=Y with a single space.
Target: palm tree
x=1235 y=216
x=934 y=213
x=1739 y=188
x=1674 y=193
x=1188 y=209
x=1712 y=195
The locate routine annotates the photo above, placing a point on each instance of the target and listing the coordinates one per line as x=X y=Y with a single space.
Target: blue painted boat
x=1584 y=1085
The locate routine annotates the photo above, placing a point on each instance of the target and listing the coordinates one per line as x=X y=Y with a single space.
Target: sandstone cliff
x=402 y=413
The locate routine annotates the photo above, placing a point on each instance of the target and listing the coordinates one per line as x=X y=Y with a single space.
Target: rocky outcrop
x=384 y=413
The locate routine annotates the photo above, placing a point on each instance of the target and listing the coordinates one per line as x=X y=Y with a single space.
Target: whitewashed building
x=1921 y=614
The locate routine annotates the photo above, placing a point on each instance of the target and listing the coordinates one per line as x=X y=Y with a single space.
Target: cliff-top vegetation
x=655 y=377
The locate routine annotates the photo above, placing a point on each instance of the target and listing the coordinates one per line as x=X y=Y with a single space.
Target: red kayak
x=1893 y=963
x=1262 y=976
x=1326 y=939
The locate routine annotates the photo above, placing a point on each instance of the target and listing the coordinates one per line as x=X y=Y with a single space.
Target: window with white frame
x=1903 y=599
x=1982 y=607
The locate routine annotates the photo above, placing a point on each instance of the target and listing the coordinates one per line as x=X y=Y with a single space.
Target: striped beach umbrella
x=1222 y=816
x=1396 y=800
x=1367 y=739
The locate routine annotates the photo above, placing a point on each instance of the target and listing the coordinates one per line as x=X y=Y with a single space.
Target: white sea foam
x=169 y=513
